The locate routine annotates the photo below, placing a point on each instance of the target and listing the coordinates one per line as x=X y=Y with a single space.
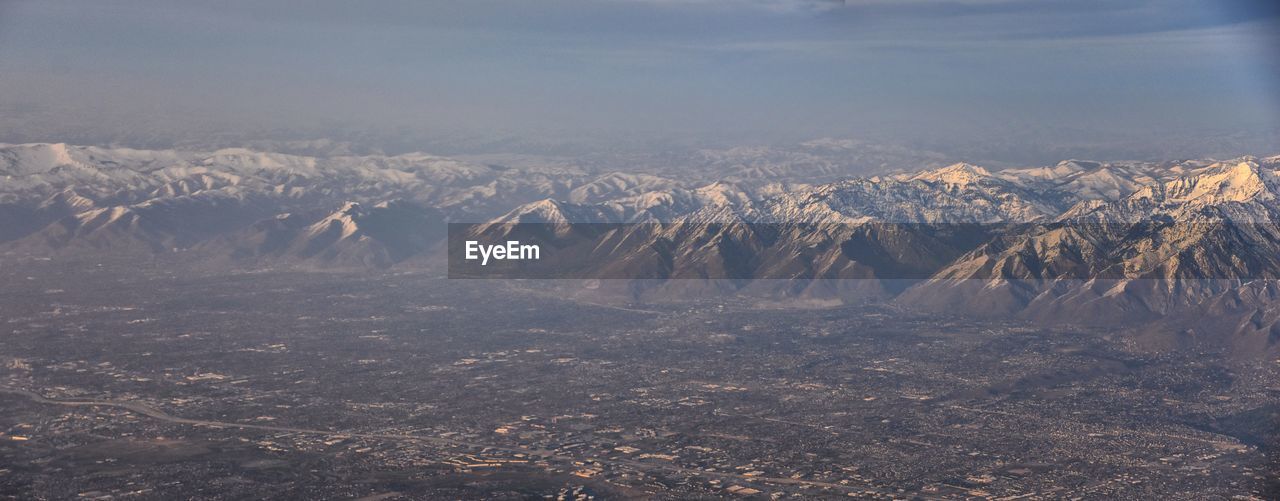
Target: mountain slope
x=1077 y=241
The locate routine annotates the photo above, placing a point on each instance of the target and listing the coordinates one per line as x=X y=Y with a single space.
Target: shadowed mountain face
x=1078 y=241
x=352 y=236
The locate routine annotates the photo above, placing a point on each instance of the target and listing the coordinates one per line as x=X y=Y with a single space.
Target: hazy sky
x=907 y=70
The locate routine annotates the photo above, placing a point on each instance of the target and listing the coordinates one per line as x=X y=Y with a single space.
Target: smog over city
x=640 y=249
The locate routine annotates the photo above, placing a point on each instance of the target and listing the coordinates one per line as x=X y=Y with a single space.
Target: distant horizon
x=842 y=153
x=596 y=152
x=1008 y=81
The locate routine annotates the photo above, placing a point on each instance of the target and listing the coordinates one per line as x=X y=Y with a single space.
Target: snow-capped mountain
x=354 y=235
x=1076 y=240
x=57 y=197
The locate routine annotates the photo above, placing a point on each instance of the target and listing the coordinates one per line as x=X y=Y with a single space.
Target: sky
x=983 y=74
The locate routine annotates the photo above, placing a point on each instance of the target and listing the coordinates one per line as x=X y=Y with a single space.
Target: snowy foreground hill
x=1188 y=248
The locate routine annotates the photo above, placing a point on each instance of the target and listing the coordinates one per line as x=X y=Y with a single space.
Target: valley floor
x=154 y=384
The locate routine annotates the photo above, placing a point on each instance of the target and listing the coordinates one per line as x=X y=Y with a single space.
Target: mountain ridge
x=1123 y=239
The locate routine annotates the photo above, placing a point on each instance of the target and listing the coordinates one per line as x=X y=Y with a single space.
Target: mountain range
x=1164 y=245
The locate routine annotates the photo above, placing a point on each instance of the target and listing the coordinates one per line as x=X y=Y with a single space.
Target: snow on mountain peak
x=1239 y=182
x=543 y=211
x=350 y=208
x=957 y=175
x=34 y=158
x=344 y=219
